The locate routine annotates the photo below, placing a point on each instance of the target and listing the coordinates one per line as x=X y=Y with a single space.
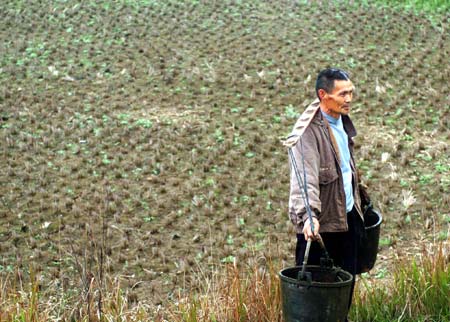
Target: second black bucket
x=367 y=253
x=322 y=299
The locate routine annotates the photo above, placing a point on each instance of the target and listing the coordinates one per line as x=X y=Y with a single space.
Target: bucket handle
x=326 y=262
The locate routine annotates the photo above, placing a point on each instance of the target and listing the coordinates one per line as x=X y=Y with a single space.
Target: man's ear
x=322 y=93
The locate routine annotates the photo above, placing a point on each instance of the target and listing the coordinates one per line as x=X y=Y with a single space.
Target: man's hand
x=307 y=229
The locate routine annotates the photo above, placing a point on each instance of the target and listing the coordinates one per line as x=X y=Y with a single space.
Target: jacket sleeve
x=306 y=146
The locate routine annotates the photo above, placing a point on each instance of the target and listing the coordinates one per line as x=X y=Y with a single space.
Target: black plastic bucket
x=324 y=298
x=367 y=253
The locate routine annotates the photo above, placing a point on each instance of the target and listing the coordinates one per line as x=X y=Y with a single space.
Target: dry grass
x=239 y=294
x=26 y=303
x=230 y=294
x=418 y=292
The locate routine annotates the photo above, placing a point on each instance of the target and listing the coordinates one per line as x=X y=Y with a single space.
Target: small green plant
x=385 y=242
x=290 y=112
x=218 y=136
x=145 y=123
x=228 y=259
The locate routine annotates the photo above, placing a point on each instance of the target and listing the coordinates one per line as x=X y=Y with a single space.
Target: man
x=322 y=146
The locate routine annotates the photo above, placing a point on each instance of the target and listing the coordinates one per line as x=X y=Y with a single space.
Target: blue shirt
x=342 y=141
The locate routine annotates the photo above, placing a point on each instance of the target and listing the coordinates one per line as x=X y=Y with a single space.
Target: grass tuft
x=419 y=292
x=241 y=294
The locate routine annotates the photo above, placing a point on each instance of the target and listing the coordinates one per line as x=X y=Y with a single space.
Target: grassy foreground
x=419 y=291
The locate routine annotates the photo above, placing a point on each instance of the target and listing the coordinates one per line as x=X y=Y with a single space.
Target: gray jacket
x=323 y=173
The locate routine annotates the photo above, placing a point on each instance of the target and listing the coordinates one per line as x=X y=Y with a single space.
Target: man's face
x=337 y=102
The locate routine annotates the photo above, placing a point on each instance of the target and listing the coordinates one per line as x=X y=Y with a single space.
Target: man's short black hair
x=325 y=79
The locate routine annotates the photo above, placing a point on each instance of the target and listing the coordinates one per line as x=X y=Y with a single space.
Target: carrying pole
x=304 y=194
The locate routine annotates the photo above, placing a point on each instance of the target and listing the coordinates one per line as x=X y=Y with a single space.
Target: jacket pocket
x=327 y=175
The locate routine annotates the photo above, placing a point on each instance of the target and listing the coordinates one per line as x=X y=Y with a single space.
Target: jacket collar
x=348 y=126
x=346 y=121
